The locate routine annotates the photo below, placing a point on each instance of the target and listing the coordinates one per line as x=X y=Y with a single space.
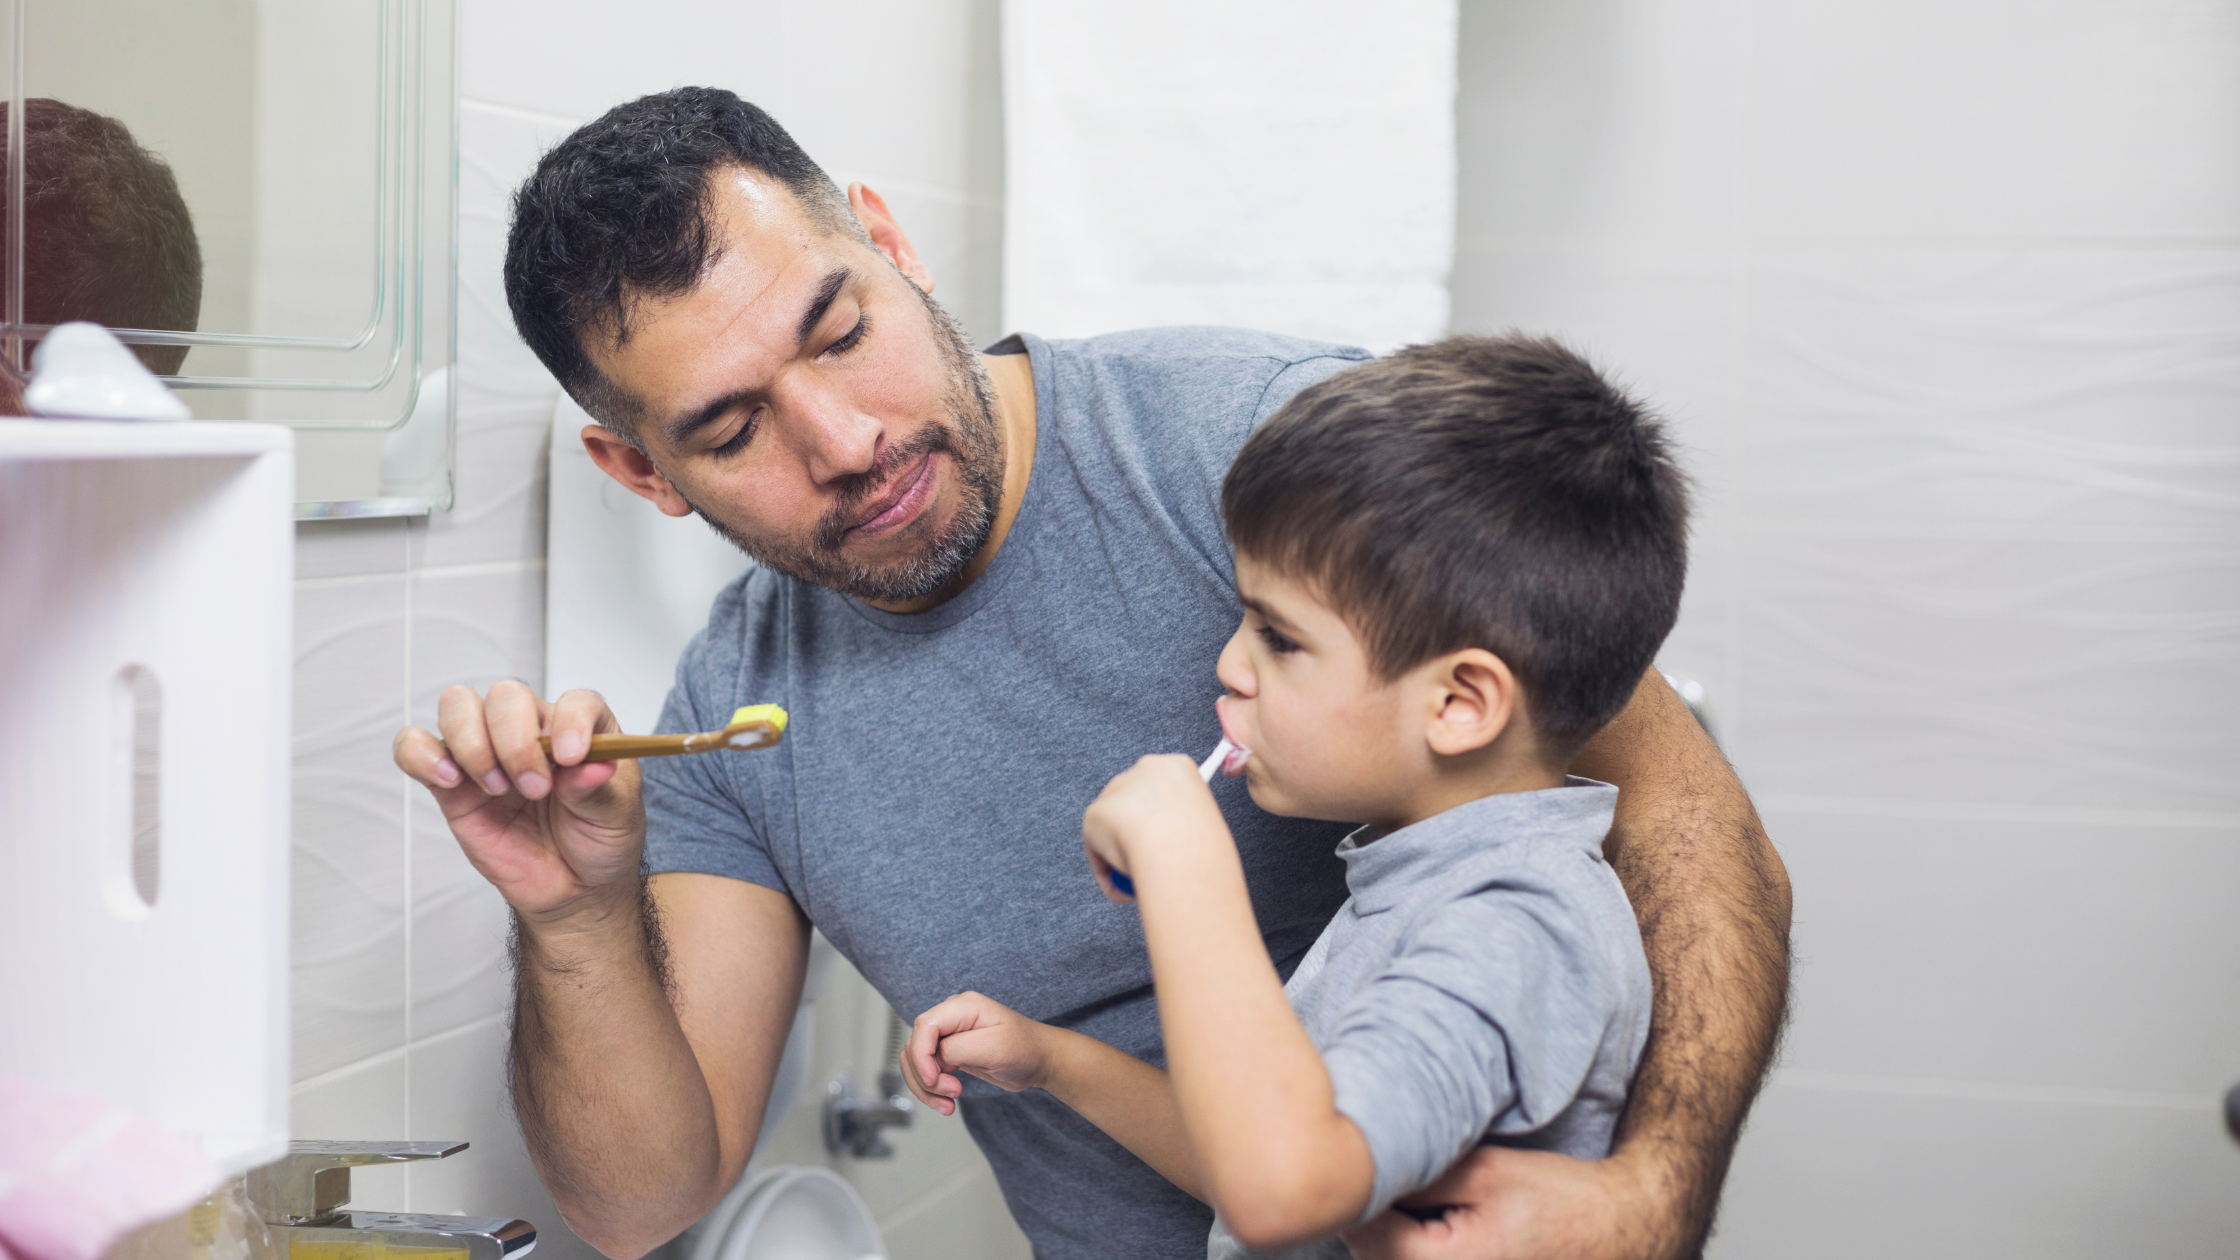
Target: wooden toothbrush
x=756 y=726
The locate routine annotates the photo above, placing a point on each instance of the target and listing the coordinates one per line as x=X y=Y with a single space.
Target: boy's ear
x=1477 y=697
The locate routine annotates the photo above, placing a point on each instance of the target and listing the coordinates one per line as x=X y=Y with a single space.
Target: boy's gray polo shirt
x=925 y=807
x=1485 y=982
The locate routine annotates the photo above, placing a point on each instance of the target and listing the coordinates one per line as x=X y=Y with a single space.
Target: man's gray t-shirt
x=1484 y=983
x=925 y=807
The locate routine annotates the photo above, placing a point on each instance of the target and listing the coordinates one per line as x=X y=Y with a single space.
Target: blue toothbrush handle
x=1121 y=881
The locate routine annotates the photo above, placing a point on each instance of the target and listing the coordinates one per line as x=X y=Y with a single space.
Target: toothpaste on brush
x=1226 y=758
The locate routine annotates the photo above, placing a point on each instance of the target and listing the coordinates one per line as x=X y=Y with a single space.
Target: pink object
x=78 y=1171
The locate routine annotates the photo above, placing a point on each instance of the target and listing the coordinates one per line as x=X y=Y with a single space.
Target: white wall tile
x=579 y=58
x=1944 y=300
x=1856 y=1175
x=474 y=628
x=2082 y=388
x=459 y=1093
x=371 y=1102
x=1989 y=118
x=347 y=548
x=2088 y=955
x=1601 y=118
x=348 y=882
x=906 y=119
x=965 y=1220
x=2020 y=672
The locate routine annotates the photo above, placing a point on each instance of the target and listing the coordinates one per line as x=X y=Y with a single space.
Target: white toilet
x=790 y=1213
x=626 y=588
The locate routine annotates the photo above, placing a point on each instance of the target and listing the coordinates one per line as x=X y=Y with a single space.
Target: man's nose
x=836 y=439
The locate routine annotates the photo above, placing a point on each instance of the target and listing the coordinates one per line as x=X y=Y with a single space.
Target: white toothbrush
x=1226 y=758
x=1220 y=760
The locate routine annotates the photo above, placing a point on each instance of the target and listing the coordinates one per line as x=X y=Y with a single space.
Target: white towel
x=1277 y=164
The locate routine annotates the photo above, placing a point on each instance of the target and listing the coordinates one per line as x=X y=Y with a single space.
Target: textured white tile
x=348 y=882
x=473 y=628
x=2015 y=672
x=579 y=58
x=965 y=1220
x=911 y=119
x=2108 y=118
x=1601 y=118
x=1838 y=1175
x=347 y=548
x=2073 y=955
x=368 y=1103
x=459 y=1094
x=505 y=397
x=2078 y=388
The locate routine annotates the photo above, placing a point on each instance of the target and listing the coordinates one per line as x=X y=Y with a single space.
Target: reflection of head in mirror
x=106 y=235
x=758 y=346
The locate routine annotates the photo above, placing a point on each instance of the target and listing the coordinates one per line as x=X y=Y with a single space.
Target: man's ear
x=629 y=465
x=871 y=211
x=1476 y=698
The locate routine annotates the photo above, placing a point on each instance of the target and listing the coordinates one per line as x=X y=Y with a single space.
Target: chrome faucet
x=301 y=1198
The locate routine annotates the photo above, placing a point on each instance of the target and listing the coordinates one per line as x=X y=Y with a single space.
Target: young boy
x=1456 y=565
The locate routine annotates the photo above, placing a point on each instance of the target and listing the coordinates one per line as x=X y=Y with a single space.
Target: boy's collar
x=1381 y=865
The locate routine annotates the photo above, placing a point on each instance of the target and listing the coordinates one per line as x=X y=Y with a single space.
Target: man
x=986 y=583
x=106 y=235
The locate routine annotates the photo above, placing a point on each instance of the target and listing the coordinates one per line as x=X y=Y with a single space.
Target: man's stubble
x=971 y=438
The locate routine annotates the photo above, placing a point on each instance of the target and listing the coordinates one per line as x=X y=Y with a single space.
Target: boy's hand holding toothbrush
x=1162 y=801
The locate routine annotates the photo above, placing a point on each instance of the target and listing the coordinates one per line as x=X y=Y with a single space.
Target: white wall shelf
x=145 y=614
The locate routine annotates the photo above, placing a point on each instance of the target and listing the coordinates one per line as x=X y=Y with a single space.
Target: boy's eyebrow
x=1265 y=613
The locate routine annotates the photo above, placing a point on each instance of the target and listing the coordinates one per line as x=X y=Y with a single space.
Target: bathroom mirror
x=257 y=196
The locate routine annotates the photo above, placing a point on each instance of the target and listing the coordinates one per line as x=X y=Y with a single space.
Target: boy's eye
x=1276 y=642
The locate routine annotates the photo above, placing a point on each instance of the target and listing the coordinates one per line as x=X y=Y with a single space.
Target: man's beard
x=971 y=439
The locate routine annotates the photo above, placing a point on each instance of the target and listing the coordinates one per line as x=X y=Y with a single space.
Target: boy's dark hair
x=618 y=210
x=1490 y=492
x=106 y=235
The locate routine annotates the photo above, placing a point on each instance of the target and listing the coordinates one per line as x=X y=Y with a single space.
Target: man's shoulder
x=1179 y=347
x=1189 y=394
x=741 y=622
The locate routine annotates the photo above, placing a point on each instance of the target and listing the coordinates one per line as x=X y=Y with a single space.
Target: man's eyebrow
x=834 y=281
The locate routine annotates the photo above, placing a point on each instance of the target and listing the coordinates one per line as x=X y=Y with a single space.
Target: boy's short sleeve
x=696 y=819
x=1494 y=1012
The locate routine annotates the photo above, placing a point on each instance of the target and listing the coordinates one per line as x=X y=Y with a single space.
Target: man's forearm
x=612 y=1101
x=1712 y=899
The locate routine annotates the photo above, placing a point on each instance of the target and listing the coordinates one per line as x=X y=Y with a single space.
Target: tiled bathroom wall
x=400 y=981
x=1944 y=300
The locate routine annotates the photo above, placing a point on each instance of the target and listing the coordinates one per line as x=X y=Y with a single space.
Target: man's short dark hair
x=106 y=235
x=1489 y=492
x=619 y=211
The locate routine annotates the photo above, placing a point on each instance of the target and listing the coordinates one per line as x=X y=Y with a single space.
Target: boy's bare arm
x=1276 y=1158
x=1132 y=1101
x=1712 y=898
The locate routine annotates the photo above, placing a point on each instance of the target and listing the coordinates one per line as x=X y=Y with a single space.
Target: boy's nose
x=1234 y=669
